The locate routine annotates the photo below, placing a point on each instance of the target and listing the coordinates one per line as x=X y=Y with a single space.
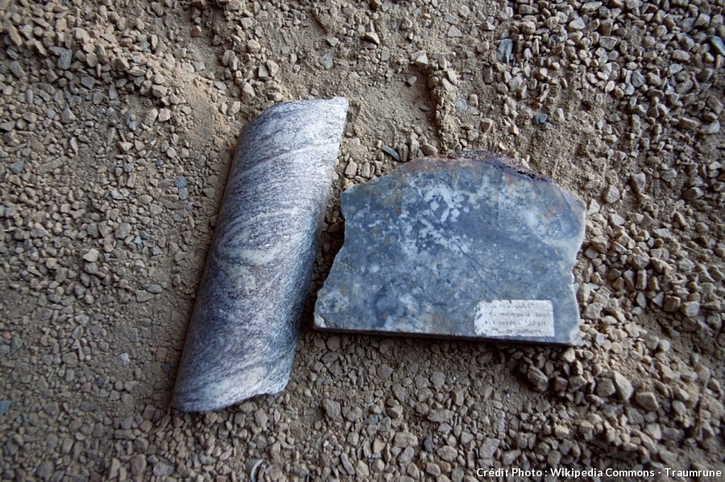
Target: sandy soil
x=118 y=120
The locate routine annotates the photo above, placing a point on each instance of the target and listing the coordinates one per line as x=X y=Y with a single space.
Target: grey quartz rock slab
x=469 y=246
x=243 y=331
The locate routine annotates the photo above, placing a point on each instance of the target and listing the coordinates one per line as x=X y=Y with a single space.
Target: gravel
x=117 y=126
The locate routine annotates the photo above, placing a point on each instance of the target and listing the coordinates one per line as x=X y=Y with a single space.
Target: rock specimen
x=243 y=332
x=467 y=246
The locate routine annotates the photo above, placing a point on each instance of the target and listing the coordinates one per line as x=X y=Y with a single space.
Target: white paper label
x=515 y=318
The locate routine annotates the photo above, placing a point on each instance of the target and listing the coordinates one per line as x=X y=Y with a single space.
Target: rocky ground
x=118 y=119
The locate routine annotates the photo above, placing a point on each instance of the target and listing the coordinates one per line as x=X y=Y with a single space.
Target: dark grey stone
x=391 y=152
x=65 y=59
x=243 y=332
x=505 y=50
x=17 y=166
x=540 y=119
x=718 y=44
x=469 y=246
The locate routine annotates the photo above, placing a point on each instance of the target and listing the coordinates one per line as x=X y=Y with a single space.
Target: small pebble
x=461 y=105
x=611 y=195
x=16 y=167
x=623 y=385
x=647 y=400
x=391 y=152
x=65 y=59
x=717 y=44
x=505 y=50
x=4 y=406
x=326 y=61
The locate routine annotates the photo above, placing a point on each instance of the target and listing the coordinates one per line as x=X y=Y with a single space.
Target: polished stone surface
x=470 y=246
x=244 y=328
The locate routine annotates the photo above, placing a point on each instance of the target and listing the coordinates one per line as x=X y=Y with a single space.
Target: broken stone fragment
x=243 y=331
x=470 y=246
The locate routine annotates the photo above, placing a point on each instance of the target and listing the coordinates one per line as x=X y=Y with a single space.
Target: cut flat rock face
x=243 y=332
x=470 y=246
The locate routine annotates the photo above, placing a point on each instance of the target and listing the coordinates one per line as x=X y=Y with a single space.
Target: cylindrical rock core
x=243 y=331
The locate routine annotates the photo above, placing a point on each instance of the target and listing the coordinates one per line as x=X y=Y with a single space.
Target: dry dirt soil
x=118 y=120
